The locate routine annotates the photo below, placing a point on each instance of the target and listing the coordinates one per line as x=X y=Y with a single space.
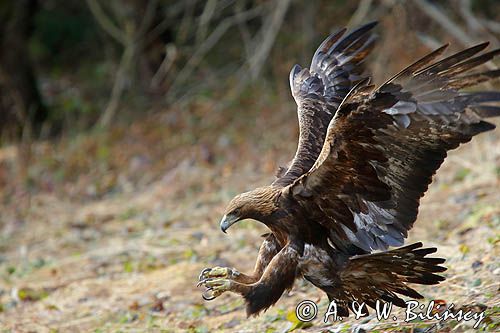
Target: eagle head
x=257 y=204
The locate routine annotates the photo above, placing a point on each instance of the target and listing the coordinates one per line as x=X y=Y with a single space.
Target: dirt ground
x=107 y=232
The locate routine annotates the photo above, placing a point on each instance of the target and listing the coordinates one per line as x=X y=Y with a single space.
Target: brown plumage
x=365 y=157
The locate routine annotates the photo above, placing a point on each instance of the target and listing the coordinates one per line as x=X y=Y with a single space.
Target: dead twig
x=187 y=21
x=106 y=23
x=451 y=27
x=207 y=45
x=269 y=32
x=119 y=84
x=205 y=18
x=492 y=25
x=429 y=41
x=473 y=22
x=130 y=38
x=168 y=61
x=360 y=13
x=244 y=32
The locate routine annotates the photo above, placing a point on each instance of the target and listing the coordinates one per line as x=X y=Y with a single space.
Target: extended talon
x=202 y=282
x=210 y=296
x=217 y=272
x=218 y=284
x=215 y=287
x=203 y=272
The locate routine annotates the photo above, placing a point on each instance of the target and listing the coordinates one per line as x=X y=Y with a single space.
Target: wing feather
x=318 y=90
x=383 y=146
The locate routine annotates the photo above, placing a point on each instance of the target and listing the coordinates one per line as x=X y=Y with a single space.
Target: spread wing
x=383 y=147
x=335 y=68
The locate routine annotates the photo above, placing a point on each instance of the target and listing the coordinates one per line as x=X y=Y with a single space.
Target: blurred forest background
x=126 y=126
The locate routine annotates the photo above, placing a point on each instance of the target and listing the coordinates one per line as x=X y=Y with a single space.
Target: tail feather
x=386 y=276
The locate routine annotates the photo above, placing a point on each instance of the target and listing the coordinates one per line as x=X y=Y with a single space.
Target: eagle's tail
x=385 y=276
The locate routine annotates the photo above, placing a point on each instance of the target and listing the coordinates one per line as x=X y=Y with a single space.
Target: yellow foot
x=215 y=287
x=218 y=272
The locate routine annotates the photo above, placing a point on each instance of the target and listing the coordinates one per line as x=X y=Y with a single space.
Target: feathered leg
x=269 y=248
x=278 y=276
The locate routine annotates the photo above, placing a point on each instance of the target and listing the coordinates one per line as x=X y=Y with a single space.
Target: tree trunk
x=21 y=96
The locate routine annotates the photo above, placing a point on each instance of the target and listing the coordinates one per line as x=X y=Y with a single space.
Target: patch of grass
x=129 y=213
x=31 y=295
x=195 y=312
x=461 y=174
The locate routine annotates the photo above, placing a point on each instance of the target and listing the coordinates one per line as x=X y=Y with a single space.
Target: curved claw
x=203 y=281
x=207 y=297
x=203 y=272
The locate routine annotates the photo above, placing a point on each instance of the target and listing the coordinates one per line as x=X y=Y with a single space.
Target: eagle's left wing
x=336 y=67
x=383 y=147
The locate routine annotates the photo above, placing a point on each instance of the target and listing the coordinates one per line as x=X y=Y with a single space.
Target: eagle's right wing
x=383 y=147
x=335 y=68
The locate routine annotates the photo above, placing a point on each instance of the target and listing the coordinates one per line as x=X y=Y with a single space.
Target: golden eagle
x=365 y=157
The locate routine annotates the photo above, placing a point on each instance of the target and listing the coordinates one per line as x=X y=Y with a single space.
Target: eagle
x=365 y=157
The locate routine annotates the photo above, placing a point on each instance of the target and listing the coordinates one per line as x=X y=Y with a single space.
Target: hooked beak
x=227 y=221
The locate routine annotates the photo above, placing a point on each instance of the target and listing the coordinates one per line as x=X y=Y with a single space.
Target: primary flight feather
x=365 y=157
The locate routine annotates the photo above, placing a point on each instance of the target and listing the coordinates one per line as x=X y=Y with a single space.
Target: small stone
x=232 y=323
x=476 y=265
x=157 y=306
x=476 y=283
x=163 y=295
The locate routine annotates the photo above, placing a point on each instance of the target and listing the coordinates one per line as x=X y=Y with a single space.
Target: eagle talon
x=201 y=282
x=204 y=283
x=215 y=288
x=203 y=273
x=208 y=297
x=217 y=272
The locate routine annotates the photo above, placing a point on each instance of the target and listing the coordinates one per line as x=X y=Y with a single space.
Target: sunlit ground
x=112 y=230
